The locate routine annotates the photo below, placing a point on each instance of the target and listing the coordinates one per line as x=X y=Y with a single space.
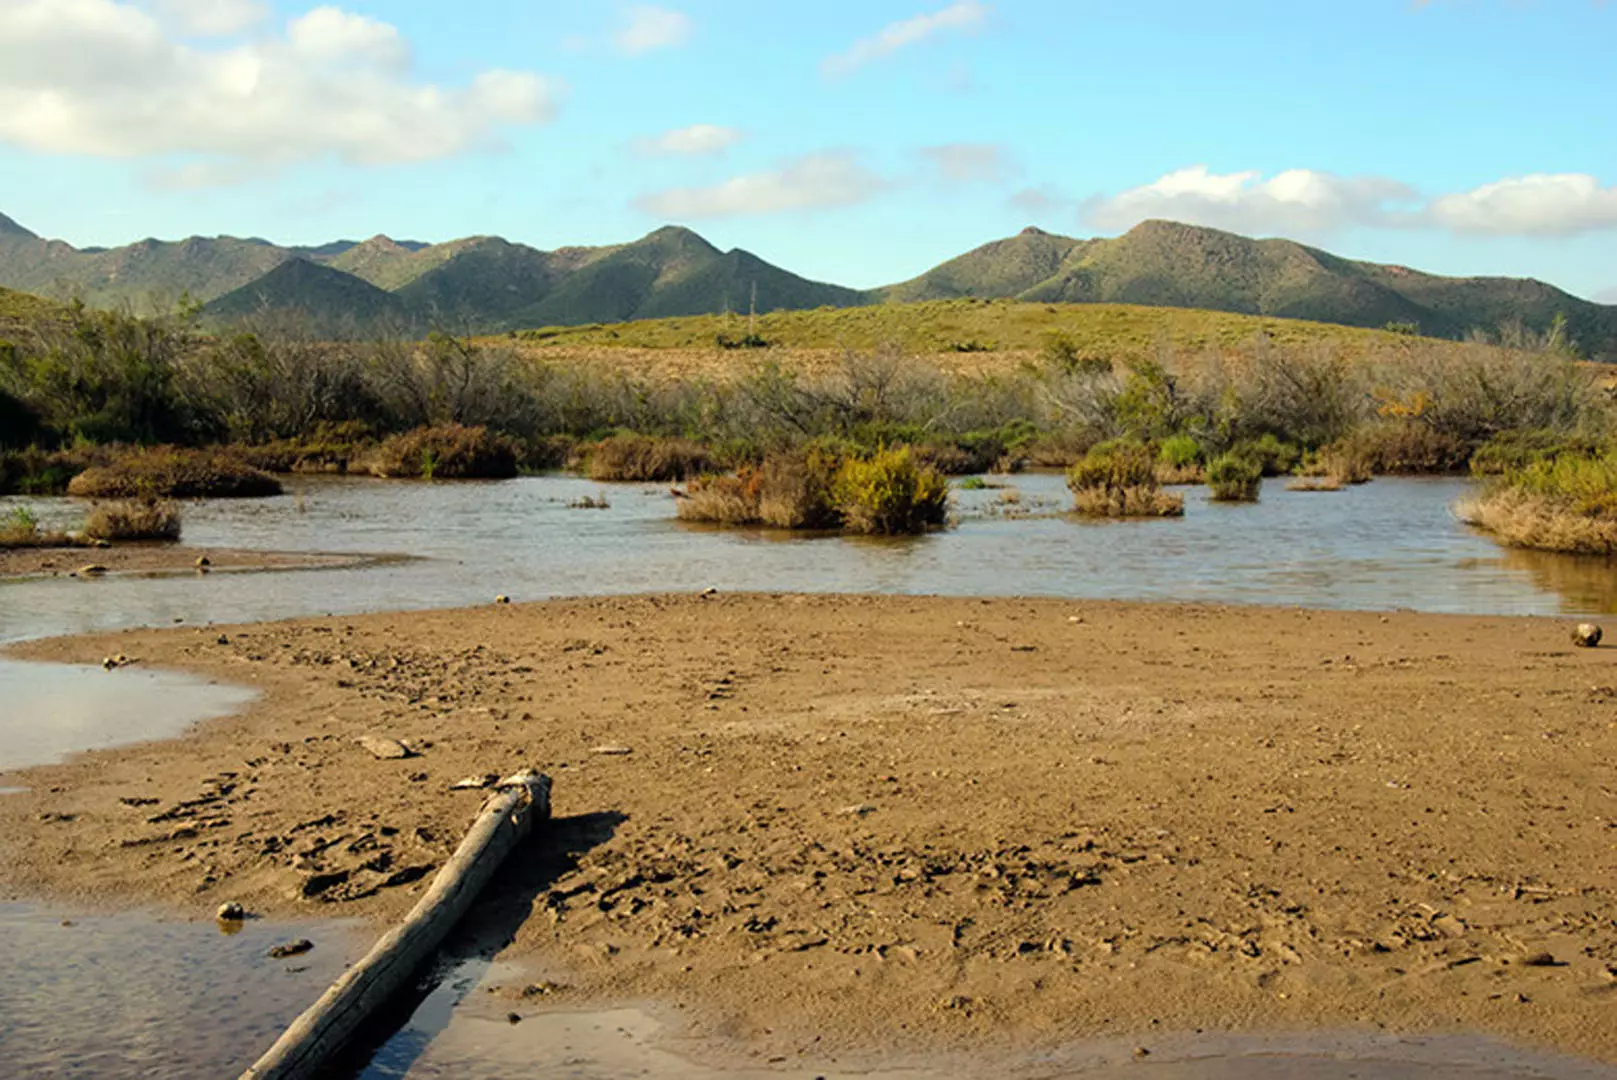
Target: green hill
x=998 y=269
x=1165 y=264
x=673 y=271
x=324 y=301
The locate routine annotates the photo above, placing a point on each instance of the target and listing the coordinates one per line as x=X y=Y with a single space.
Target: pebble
x=92 y=570
x=1587 y=635
x=291 y=948
x=502 y=599
x=387 y=749
x=231 y=912
x=612 y=751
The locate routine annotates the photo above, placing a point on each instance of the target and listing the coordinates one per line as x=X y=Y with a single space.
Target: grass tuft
x=167 y=472
x=145 y=519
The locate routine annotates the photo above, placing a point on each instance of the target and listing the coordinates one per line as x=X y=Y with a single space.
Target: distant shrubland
x=1341 y=404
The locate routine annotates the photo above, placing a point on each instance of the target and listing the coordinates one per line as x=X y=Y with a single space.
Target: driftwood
x=506 y=818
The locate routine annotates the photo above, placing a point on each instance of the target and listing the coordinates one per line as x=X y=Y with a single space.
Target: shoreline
x=986 y=820
x=171 y=560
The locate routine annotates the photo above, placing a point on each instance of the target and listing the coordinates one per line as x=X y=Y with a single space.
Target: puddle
x=48 y=711
x=111 y=996
x=477 y=1041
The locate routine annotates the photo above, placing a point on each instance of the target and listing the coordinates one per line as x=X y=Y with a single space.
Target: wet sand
x=869 y=824
x=164 y=559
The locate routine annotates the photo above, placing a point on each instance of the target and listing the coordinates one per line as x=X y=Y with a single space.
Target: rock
x=92 y=570
x=387 y=749
x=513 y=1018
x=1539 y=959
x=857 y=811
x=231 y=912
x=502 y=599
x=1587 y=635
x=612 y=751
x=112 y=662
x=709 y=591
x=291 y=948
x=203 y=562
x=472 y=782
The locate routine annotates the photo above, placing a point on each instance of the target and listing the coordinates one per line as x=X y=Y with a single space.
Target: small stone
x=709 y=591
x=859 y=810
x=612 y=751
x=1141 y=1051
x=1586 y=636
x=502 y=599
x=291 y=948
x=1539 y=959
x=203 y=561
x=384 y=748
x=92 y=570
x=223 y=639
x=513 y=1018
x=472 y=782
x=231 y=912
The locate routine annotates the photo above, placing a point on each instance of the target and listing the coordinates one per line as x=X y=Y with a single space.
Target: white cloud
x=1563 y=204
x=970 y=163
x=104 y=78
x=1294 y=201
x=965 y=15
x=212 y=18
x=647 y=28
x=815 y=181
x=1606 y=296
x=693 y=140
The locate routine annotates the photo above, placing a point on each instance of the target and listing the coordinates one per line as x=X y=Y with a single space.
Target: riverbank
x=166 y=559
x=867 y=822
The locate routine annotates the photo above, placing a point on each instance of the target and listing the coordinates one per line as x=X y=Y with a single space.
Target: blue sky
x=855 y=142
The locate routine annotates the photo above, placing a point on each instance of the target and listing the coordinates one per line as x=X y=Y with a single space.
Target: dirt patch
x=863 y=821
x=163 y=559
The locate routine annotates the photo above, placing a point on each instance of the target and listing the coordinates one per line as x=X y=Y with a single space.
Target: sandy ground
x=847 y=823
x=160 y=559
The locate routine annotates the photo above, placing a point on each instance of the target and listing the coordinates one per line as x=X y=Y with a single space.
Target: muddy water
x=463 y=1033
x=133 y=996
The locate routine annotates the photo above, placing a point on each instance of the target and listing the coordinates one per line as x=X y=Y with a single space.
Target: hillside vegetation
x=980 y=331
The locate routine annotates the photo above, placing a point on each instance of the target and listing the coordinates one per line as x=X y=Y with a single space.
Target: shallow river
x=1392 y=543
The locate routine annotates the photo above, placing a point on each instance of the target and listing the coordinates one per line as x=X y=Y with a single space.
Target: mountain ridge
x=488 y=283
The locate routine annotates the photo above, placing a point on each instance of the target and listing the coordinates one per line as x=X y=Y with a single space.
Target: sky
x=855 y=141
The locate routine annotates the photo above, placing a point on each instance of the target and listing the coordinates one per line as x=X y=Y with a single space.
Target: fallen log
x=506 y=818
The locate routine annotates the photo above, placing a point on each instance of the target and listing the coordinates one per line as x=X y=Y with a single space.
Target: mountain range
x=487 y=284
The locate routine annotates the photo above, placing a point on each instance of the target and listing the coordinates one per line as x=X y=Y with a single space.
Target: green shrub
x=1179 y=451
x=1119 y=479
x=173 y=473
x=1235 y=478
x=889 y=493
x=1565 y=503
x=1511 y=450
x=1274 y=456
x=446 y=452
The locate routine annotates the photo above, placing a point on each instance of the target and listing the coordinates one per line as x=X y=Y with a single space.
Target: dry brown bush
x=647 y=458
x=446 y=452
x=134 y=519
x=1523 y=519
x=174 y=473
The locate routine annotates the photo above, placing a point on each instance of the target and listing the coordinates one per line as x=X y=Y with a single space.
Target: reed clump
x=1235 y=477
x=20 y=529
x=1119 y=480
x=646 y=458
x=134 y=519
x=168 y=472
x=1565 y=503
x=445 y=452
x=885 y=493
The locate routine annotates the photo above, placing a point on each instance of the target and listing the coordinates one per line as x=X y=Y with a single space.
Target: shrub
x=169 y=472
x=1119 y=479
x=1565 y=503
x=1179 y=460
x=1235 y=478
x=1273 y=455
x=889 y=493
x=146 y=519
x=1405 y=447
x=719 y=500
x=1511 y=450
x=1341 y=463
x=328 y=448
x=644 y=458
x=446 y=452
x=798 y=491
x=43 y=472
